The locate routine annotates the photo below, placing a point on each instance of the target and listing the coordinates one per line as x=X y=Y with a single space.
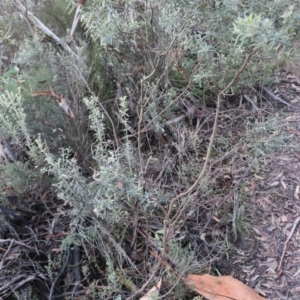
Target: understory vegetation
x=128 y=141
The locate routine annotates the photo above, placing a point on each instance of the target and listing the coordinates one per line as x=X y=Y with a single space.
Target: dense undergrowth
x=118 y=139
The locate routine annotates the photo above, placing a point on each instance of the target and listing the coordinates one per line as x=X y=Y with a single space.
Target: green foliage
x=26 y=293
x=49 y=267
x=243 y=224
x=113 y=188
x=13 y=117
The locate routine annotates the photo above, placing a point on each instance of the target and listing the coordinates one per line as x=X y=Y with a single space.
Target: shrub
x=131 y=70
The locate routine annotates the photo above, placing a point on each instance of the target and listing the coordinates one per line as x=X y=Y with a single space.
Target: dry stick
x=285 y=245
x=208 y=151
x=59 y=274
x=275 y=97
x=76 y=20
x=7 y=286
x=7 y=251
x=44 y=28
x=235 y=214
x=16 y=242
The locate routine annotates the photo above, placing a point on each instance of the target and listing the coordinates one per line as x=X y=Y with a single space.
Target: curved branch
x=211 y=141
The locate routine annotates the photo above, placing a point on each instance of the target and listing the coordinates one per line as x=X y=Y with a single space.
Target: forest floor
x=267 y=254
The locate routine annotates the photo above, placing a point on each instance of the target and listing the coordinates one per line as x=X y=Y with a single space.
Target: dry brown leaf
x=274 y=183
x=292 y=131
x=295 y=100
x=291 y=118
x=2 y=152
x=252 y=185
x=65 y=106
x=278 y=175
x=291 y=76
x=283 y=184
x=297 y=192
x=50 y=93
x=56 y=250
x=284 y=157
x=295 y=87
x=42 y=93
x=153 y=292
x=221 y=288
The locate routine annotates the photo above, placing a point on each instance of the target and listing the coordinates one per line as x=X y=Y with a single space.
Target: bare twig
x=7 y=251
x=2 y=152
x=125 y=123
x=253 y=104
x=163 y=168
x=8 y=286
x=76 y=19
x=275 y=97
x=279 y=268
x=235 y=214
x=43 y=27
x=60 y=273
x=16 y=242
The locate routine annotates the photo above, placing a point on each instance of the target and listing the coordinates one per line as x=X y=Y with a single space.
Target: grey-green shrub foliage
x=162 y=37
x=111 y=191
x=153 y=50
x=207 y=40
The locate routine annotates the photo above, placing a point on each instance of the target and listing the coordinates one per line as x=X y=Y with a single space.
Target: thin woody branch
x=44 y=28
